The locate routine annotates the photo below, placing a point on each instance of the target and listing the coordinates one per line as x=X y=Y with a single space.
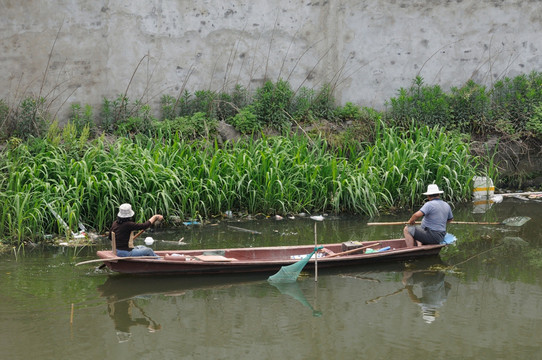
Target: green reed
x=275 y=175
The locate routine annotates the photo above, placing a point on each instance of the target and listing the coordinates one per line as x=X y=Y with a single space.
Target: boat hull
x=264 y=259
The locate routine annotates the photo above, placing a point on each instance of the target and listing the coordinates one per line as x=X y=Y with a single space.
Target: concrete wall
x=367 y=48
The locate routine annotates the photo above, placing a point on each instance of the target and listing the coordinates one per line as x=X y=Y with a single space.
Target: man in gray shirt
x=436 y=215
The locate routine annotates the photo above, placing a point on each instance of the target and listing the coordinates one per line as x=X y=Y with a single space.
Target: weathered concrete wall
x=367 y=48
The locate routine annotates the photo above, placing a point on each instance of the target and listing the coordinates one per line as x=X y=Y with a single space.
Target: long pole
x=117 y=258
x=315 y=254
x=453 y=222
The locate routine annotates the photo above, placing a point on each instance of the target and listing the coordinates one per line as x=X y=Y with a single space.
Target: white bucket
x=482 y=187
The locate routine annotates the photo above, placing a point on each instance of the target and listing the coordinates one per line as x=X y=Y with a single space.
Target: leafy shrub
x=426 y=105
x=186 y=127
x=113 y=112
x=228 y=105
x=361 y=132
x=182 y=105
x=240 y=96
x=82 y=117
x=516 y=99
x=121 y=117
x=30 y=118
x=469 y=108
x=201 y=101
x=139 y=123
x=301 y=104
x=349 y=111
x=246 y=121
x=323 y=105
x=5 y=120
x=309 y=104
x=221 y=106
x=272 y=104
x=534 y=124
x=168 y=103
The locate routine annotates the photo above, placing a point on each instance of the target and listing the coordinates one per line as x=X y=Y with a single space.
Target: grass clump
x=86 y=181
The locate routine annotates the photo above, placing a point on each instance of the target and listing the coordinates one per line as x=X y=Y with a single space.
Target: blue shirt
x=436 y=214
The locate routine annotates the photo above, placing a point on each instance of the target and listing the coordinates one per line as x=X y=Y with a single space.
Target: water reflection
x=293 y=290
x=127 y=297
x=124 y=317
x=434 y=291
x=426 y=288
x=124 y=309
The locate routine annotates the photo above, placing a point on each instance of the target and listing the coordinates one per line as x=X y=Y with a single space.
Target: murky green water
x=487 y=307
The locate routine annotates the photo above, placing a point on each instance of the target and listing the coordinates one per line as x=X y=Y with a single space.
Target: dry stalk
x=253 y=64
x=183 y=87
x=270 y=45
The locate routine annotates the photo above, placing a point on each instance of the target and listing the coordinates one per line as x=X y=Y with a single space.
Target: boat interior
x=287 y=252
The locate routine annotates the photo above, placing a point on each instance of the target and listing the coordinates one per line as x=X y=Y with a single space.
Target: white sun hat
x=125 y=211
x=432 y=189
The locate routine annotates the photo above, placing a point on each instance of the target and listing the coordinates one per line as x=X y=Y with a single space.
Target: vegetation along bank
x=288 y=151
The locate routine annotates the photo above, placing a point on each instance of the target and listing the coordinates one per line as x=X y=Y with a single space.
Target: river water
x=479 y=299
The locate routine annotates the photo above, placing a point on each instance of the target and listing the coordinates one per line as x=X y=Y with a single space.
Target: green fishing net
x=289 y=273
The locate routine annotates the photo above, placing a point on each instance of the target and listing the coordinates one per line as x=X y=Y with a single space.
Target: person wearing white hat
x=123 y=227
x=436 y=215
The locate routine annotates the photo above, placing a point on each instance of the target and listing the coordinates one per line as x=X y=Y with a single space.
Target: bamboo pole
x=522 y=194
x=453 y=222
x=71 y=316
x=117 y=258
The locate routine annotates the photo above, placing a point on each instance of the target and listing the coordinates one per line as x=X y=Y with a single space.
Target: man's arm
x=418 y=214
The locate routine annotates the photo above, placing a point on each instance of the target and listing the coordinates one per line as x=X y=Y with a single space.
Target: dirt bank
x=519 y=162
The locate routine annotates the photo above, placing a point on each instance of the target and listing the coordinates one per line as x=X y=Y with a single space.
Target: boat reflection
x=119 y=287
x=127 y=296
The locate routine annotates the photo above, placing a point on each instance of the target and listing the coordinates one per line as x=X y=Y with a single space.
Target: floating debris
x=245 y=230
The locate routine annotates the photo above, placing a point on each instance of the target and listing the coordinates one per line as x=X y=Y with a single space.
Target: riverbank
x=85 y=182
x=276 y=152
x=519 y=162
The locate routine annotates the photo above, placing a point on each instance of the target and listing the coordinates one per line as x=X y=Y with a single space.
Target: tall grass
x=200 y=179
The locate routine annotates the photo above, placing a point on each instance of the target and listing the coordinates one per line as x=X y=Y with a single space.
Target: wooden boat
x=266 y=259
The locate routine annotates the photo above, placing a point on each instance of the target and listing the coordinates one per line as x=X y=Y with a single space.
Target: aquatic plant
x=87 y=181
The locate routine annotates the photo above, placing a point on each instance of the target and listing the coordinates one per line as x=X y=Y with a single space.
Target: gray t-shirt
x=436 y=214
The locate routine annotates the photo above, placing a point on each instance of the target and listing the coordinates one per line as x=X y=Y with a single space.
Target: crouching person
x=123 y=227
